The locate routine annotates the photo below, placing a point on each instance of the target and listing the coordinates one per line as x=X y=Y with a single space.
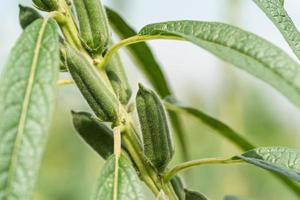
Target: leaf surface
x=142 y=54
x=213 y=123
x=128 y=185
x=227 y=132
x=281 y=160
x=191 y=195
x=240 y=48
x=95 y=133
x=27 y=93
x=275 y=11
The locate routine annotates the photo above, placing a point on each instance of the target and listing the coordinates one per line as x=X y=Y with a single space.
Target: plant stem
x=129 y=41
x=130 y=138
x=184 y=166
x=147 y=173
x=68 y=26
x=168 y=189
x=134 y=153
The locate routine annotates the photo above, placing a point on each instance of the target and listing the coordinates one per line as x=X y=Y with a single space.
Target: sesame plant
x=131 y=130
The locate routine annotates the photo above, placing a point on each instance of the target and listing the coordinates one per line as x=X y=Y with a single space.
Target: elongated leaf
x=215 y=124
x=178 y=187
x=281 y=160
x=191 y=195
x=243 y=49
x=26 y=103
x=147 y=63
x=128 y=185
x=274 y=9
x=141 y=53
x=227 y=133
x=95 y=133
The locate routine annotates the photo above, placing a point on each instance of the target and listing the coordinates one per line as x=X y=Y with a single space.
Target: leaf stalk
x=193 y=163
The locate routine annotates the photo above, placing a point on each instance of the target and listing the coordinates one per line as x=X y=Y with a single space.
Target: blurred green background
x=70 y=168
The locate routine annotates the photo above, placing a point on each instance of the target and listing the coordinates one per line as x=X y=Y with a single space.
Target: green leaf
x=241 y=48
x=178 y=187
x=191 y=195
x=274 y=9
x=227 y=133
x=213 y=123
x=27 y=89
x=281 y=160
x=147 y=63
x=95 y=133
x=141 y=53
x=128 y=185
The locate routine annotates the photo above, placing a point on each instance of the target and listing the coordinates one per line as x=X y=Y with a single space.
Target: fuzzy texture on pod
x=93 y=23
x=27 y=15
x=158 y=144
x=95 y=133
x=103 y=102
x=46 y=5
x=117 y=76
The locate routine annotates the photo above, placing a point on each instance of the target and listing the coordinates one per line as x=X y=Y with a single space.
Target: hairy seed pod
x=93 y=88
x=158 y=145
x=95 y=133
x=117 y=76
x=178 y=187
x=46 y=5
x=93 y=23
x=27 y=15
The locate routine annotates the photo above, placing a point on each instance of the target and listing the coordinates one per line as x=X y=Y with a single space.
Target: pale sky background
x=188 y=68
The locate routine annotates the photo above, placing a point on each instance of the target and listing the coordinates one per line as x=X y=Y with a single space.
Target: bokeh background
x=70 y=169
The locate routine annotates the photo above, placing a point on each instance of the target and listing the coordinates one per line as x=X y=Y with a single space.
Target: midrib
x=25 y=107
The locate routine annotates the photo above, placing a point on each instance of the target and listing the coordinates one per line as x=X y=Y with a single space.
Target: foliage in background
x=90 y=57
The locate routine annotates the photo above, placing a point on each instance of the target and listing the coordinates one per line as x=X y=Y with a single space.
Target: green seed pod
x=27 y=15
x=117 y=76
x=93 y=23
x=96 y=134
x=158 y=145
x=93 y=88
x=178 y=187
x=46 y=5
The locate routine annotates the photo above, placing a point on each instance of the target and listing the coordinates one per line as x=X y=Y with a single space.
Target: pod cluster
x=95 y=37
x=158 y=144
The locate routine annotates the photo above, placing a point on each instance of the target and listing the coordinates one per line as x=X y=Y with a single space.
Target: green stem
x=135 y=154
x=130 y=137
x=168 y=189
x=129 y=41
x=184 y=166
x=68 y=26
